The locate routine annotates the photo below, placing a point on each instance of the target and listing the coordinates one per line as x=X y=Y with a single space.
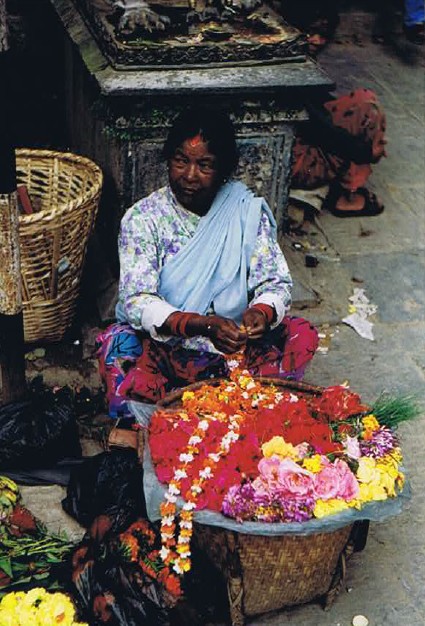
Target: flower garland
x=37 y=607
x=138 y=545
x=180 y=556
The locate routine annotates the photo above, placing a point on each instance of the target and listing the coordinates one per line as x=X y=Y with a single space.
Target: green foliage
x=392 y=410
x=34 y=556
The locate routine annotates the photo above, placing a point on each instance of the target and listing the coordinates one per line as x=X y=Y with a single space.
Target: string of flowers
x=180 y=557
x=138 y=545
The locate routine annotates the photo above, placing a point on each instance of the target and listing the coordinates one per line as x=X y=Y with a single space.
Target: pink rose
x=269 y=468
x=336 y=480
x=262 y=488
x=294 y=480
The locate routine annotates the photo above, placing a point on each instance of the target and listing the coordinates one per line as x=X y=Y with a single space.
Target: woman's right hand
x=225 y=334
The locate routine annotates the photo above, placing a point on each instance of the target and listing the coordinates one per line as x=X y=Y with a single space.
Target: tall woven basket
x=266 y=573
x=53 y=241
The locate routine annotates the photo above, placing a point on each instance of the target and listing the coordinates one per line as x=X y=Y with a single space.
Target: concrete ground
x=384 y=255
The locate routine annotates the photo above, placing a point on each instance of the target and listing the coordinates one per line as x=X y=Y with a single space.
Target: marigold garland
x=138 y=545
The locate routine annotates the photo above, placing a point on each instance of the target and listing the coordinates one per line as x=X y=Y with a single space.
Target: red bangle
x=179 y=321
x=183 y=323
x=175 y=319
x=267 y=310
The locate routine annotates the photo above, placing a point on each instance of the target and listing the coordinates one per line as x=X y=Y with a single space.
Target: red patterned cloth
x=362 y=116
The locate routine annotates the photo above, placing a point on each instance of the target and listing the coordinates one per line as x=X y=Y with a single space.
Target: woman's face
x=193 y=176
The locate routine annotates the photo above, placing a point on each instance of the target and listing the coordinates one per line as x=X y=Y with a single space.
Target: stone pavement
x=385 y=256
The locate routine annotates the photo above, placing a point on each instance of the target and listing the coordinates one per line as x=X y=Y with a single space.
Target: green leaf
x=18 y=568
x=6 y=565
x=41 y=576
x=20 y=581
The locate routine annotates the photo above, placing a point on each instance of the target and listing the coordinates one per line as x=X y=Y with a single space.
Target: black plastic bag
x=111 y=590
x=108 y=594
x=40 y=430
x=110 y=483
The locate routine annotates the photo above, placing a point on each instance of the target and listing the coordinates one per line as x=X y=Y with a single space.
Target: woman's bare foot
x=350 y=202
x=343 y=203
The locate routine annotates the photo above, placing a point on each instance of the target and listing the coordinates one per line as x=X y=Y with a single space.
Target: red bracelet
x=175 y=319
x=179 y=321
x=267 y=310
x=183 y=323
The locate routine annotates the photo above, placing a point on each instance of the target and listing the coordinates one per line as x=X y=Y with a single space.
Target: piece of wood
x=24 y=200
x=12 y=358
x=12 y=346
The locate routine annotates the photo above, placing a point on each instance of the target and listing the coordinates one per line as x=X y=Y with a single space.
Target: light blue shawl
x=213 y=266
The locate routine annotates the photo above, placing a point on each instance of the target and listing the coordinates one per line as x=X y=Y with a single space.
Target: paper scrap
x=361 y=325
x=359 y=310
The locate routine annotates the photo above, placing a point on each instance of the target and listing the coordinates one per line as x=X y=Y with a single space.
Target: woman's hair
x=215 y=127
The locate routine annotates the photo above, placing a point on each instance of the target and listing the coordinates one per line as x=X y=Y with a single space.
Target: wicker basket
x=265 y=573
x=53 y=241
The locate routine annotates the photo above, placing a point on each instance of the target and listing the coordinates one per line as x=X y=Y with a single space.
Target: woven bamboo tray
x=53 y=240
x=268 y=573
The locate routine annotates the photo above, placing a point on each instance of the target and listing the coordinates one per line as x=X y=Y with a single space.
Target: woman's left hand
x=255 y=323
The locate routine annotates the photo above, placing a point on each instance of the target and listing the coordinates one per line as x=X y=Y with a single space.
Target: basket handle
x=279 y=382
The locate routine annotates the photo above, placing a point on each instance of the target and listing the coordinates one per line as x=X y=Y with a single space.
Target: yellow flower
x=10 y=600
x=27 y=616
x=7 y=618
x=57 y=608
x=186 y=565
x=397 y=456
x=313 y=464
x=386 y=466
x=371 y=491
x=389 y=460
x=400 y=481
x=244 y=381
x=367 y=471
x=370 y=422
x=37 y=607
x=387 y=482
x=35 y=596
x=323 y=508
x=188 y=395
x=277 y=445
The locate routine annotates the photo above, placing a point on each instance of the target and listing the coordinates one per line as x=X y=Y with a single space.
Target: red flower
x=337 y=403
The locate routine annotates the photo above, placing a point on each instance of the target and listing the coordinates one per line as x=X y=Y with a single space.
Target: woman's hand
x=225 y=334
x=255 y=323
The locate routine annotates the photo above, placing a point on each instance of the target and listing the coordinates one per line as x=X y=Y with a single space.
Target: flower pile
x=256 y=452
x=37 y=607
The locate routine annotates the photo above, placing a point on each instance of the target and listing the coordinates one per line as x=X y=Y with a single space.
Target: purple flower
x=382 y=442
x=299 y=509
x=238 y=502
x=243 y=503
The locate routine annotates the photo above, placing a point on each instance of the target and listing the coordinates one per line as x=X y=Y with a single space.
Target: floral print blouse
x=156 y=228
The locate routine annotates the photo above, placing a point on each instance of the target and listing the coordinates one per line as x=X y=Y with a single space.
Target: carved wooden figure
x=138 y=15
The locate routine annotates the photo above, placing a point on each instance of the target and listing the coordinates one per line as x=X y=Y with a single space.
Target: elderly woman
x=202 y=277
